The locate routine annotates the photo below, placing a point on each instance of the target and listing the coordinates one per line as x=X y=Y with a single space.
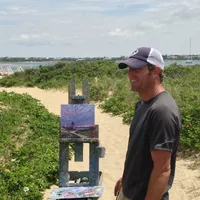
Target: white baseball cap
x=143 y=56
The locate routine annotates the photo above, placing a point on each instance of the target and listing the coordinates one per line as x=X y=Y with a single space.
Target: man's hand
x=118 y=186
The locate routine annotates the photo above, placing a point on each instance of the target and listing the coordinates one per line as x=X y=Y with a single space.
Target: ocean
x=26 y=65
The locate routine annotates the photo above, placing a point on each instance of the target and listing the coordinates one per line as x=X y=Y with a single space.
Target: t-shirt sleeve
x=162 y=129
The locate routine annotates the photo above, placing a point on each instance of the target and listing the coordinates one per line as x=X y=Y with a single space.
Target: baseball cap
x=142 y=56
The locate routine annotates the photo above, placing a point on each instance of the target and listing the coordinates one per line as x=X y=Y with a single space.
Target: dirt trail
x=113 y=136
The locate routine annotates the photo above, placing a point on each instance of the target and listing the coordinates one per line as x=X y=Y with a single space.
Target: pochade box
x=78 y=122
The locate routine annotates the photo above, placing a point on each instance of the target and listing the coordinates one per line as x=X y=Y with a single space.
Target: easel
x=86 y=181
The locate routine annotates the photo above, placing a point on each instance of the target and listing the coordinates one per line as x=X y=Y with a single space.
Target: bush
x=29 y=147
x=110 y=85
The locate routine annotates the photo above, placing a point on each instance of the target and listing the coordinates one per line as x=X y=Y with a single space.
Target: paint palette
x=76 y=192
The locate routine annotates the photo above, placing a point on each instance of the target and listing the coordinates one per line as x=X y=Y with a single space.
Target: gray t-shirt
x=156 y=126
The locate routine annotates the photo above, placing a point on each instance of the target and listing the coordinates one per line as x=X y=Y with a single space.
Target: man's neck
x=151 y=92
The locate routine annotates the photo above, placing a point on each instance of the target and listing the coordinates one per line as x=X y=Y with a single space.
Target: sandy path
x=113 y=136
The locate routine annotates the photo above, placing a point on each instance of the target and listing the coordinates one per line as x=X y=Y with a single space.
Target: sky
x=97 y=28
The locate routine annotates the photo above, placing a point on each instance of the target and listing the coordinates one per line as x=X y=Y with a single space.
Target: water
x=26 y=65
x=181 y=62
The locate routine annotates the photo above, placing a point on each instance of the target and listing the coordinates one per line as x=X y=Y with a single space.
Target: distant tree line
x=72 y=59
x=67 y=59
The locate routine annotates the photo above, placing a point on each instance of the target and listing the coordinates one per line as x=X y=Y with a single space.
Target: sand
x=114 y=136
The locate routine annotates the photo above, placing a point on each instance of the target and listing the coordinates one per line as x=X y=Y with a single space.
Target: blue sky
x=89 y=28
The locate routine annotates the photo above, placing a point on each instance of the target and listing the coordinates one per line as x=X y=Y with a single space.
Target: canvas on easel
x=78 y=121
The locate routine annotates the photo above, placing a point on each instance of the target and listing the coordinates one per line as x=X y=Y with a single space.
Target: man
x=149 y=167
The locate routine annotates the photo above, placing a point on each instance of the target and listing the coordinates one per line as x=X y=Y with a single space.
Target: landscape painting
x=78 y=121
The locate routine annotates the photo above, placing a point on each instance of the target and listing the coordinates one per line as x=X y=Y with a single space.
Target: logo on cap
x=135 y=52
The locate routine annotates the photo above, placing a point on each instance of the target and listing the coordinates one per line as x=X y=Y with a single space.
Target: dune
x=113 y=136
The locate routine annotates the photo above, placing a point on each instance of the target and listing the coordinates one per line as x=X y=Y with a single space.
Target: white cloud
x=63 y=21
x=148 y=25
x=13 y=10
x=177 y=11
x=89 y=8
x=125 y=33
x=3 y=12
x=119 y=32
x=41 y=39
x=29 y=37
x=89 y=27
x=24 y=37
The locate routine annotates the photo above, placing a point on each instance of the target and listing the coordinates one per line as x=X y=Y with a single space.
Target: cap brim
x=132 y=62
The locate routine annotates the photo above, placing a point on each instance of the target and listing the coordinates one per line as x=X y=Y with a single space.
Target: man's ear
x=156 y=71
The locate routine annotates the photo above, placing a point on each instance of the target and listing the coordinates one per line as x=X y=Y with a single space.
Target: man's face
x=140 y=79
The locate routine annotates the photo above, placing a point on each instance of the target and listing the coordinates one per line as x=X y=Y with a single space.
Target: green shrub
x=29 y=147
x=110 y=85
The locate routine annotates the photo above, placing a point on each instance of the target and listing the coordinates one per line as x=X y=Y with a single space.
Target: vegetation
x=66 y=59
x=108 y=85
x=74 y=59
x=28 y=147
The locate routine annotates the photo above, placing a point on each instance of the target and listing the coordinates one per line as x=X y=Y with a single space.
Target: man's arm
x=160 y=174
